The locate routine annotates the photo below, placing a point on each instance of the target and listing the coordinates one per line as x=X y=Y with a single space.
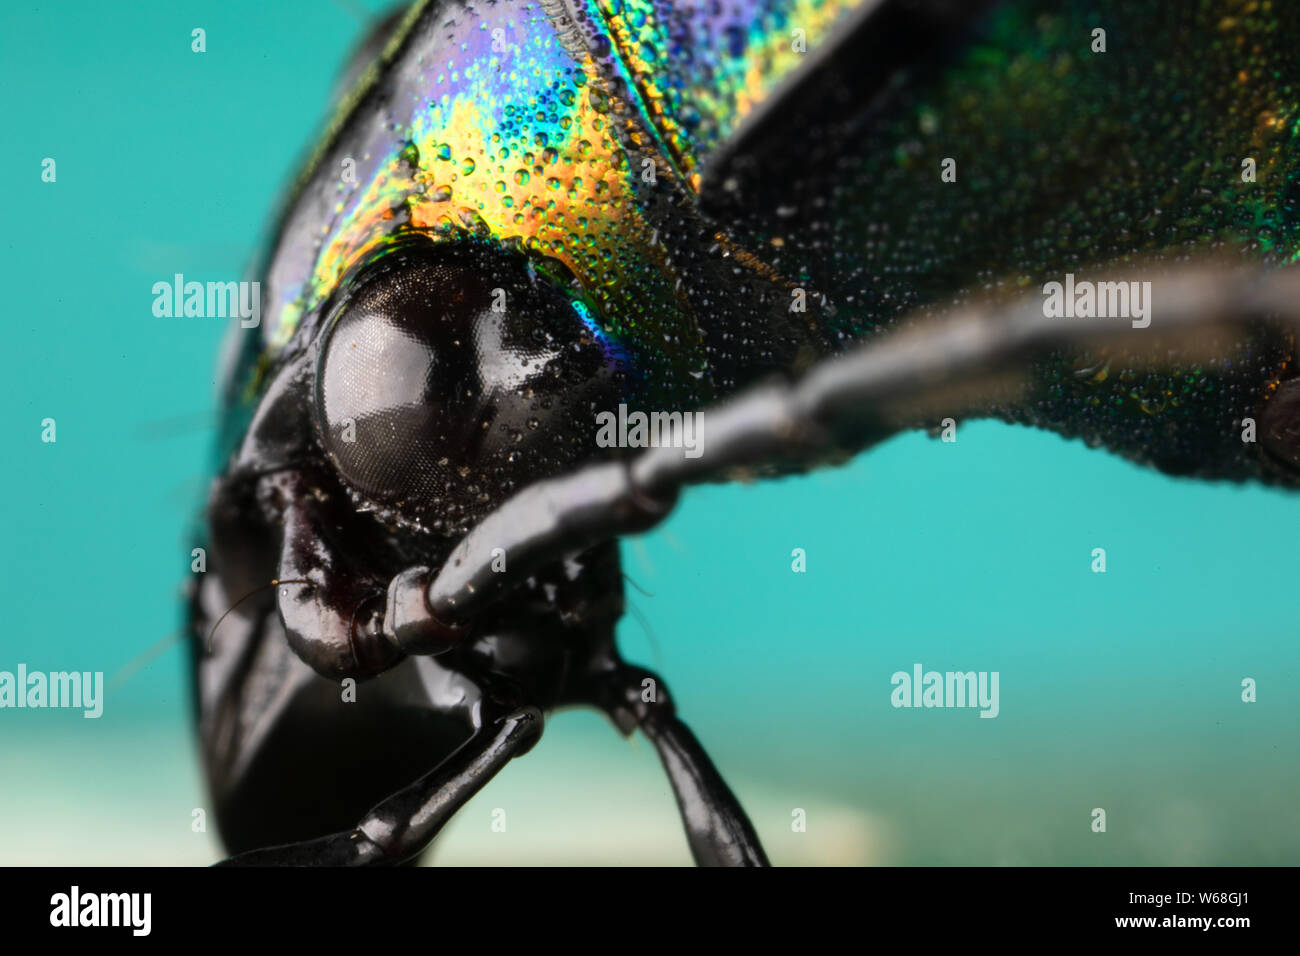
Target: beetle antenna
x=275 y=582
x=649 y=634
x=177 y=426
x=354 y=10
x=628 y=578
x=137 y=663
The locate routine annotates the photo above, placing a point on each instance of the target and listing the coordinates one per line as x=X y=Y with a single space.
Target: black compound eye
x=450 y=378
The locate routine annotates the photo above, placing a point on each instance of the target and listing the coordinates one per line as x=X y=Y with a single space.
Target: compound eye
x=448 y=379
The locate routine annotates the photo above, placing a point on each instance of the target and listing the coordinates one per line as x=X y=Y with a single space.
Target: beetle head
x=448 y=377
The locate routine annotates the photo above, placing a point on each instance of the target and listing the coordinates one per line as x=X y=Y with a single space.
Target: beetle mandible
x=527 y=214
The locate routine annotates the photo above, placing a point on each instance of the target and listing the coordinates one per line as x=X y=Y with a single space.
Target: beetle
x=812 y=221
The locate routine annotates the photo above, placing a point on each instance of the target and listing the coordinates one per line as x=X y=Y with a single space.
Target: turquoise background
x=1119 y=691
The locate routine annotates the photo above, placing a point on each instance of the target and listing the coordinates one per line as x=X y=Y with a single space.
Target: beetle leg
x=717 y=829
x=398 y=828
x=973 y=363
x=339 y=618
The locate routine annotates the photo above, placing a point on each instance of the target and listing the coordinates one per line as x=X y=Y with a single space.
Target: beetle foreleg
x=717 y=829
x=401 y=826
x=973 y=363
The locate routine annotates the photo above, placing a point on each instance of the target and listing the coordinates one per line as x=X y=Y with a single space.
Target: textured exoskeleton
x=819 y=222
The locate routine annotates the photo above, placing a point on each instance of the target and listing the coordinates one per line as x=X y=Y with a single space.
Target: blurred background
x=1119 y=690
